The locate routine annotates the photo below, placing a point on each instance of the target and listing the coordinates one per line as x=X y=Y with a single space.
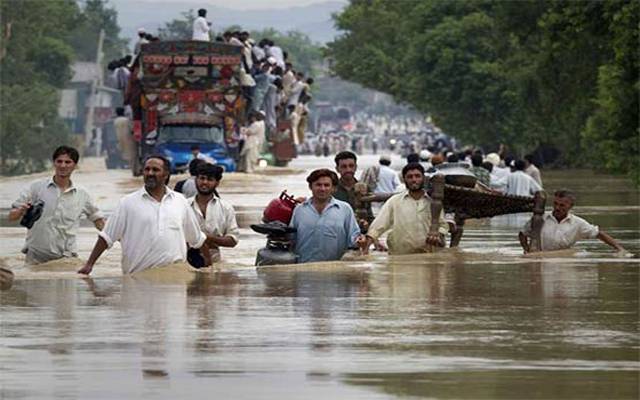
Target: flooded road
x=478 y=322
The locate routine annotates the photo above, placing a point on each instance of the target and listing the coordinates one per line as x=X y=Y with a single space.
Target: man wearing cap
x=388 y=181
x=498 y=174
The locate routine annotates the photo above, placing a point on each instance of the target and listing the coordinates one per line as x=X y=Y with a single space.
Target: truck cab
x=175 y=142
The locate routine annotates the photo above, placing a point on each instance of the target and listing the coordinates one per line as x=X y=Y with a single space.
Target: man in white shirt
x=388 y=180
x=152 y=224
x=216 y=218
x=531 y=169
x=561 y=229
x=141 y=40
x=521 y=184
x=201 y=27
x=499 y=174
x=53 y=235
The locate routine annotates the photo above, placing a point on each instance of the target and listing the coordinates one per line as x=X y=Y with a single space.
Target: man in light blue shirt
x=325 y=227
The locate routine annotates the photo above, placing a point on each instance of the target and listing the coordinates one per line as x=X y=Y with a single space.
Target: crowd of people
x=157 y=225
x=274 y=92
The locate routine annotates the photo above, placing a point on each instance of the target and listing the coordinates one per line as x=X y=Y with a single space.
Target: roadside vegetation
x=532 y=74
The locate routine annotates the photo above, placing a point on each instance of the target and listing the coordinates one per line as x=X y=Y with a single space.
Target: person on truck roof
x=201 y=26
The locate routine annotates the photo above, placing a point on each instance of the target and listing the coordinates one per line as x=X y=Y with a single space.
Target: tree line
x=533 y=74
x=40 y=41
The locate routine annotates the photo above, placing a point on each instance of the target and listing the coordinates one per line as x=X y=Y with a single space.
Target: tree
x=178 y=29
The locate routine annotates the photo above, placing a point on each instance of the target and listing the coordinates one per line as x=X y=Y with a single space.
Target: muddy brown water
x=479 y=322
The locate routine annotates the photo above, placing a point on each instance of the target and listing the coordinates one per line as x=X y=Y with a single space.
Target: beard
x=151 y=182
x=205 y=192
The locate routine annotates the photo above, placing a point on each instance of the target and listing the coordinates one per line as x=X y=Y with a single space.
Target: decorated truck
x=186 y=93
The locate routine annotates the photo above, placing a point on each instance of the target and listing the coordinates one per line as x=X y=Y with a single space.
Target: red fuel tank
x=280 y=209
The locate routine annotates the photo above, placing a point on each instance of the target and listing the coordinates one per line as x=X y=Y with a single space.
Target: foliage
x=178 y=29
x=528 y=73
x=40 y=40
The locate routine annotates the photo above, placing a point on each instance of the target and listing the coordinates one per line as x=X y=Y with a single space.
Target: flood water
x=478 y=322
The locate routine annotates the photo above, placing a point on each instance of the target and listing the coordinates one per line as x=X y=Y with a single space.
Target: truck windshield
x=191 y=134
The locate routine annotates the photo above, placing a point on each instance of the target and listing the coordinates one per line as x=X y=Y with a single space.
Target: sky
x=245 y=4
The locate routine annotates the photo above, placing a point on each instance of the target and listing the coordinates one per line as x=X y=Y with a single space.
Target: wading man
x=346 y=165
x=325 y=227
x=216 y=218
x=408 y=216
x=153 y=224
x=53 y=236
x=561 y=229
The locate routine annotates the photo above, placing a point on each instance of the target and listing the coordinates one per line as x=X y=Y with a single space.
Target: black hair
x=529 y=158
x=210 y=170
x=120 y=111
x=476 y=160
x=68 y=150
x=319 y=173
x=385 y=162
x=413 y=158
x=412 y=166
x=453 y=158
x=194 y=166
x=202 y=12
x=195 y=147
x=520 y=165
x=345 y=155
x=488 y=166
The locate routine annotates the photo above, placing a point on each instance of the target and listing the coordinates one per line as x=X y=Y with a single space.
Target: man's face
x=414 y=179
x=195 y=152
x=155 y=174
x=206 y=184
x=347 y=168
x=64 y=166
x=322 y=188
x=561 y=207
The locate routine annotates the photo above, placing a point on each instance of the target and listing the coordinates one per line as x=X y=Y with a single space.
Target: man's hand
x=18 y=212
x=435 y=239
x=378 y=246
x=363 y=243
x=86 y=270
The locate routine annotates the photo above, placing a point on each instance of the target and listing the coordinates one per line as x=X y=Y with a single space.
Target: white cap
x=141 y=30
x=424 y=155
x=271 y=60
x=493 y=158
x=385 y=157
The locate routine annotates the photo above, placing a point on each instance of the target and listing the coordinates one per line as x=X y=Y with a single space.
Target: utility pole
x=95 y=83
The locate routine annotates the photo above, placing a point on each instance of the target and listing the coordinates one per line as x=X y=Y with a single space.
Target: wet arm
x=17 y=213
x=221 y=241
x=99 y=224
x=99 y=248
x=604 y=237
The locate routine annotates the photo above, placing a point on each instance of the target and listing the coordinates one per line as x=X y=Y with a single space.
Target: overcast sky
x=244 y=4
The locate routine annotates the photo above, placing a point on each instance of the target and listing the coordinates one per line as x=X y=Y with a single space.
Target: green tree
x=178 y=29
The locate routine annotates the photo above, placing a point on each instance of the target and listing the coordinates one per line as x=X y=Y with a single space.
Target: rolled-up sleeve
x=587 y=230
x=90 y=209
x=114 y=228
x=382 y=222
x=231 y=225
x=192 y=233
x=444 y=226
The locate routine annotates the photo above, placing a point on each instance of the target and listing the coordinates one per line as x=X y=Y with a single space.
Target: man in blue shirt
x=326 y=227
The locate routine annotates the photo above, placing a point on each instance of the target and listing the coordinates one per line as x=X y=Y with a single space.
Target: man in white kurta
x=153 y=224
x=408 y=216
x=254 y=138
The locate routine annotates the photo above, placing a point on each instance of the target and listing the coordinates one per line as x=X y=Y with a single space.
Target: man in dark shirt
x=346 y=165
